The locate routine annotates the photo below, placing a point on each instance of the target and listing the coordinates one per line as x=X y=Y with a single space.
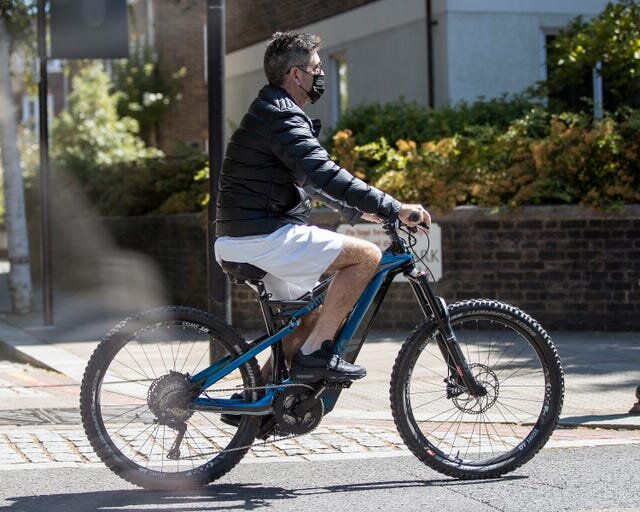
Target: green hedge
x=540 y=158
x=410 y=120
x=153 y=186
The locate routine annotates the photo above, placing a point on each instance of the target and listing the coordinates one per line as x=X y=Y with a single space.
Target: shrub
x=99 y=153
x=89 y=133
x=568 y=160
x=409 y=120
x=595 y=165
x=152 y=186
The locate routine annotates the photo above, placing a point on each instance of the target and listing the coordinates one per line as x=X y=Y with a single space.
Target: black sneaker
x=267 y=425
x=323 y=364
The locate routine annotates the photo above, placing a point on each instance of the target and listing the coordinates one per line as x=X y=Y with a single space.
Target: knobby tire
x=471 y=438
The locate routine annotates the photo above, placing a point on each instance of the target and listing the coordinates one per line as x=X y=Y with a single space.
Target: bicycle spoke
x=142 y=373
x=119 y=393
x=118 y=416
x=193 y=344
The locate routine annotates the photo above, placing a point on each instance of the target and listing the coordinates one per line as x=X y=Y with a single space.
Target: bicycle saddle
x=242 y=272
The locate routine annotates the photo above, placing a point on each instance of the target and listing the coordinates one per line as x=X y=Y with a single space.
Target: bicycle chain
x=253 y=444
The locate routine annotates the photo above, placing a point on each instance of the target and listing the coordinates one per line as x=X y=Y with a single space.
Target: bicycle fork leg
x=447 y=343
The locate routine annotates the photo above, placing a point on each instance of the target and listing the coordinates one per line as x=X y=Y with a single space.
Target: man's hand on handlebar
x=414 y=215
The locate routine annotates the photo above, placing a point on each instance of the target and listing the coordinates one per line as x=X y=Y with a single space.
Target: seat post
x=265 y=309
x=279 y=367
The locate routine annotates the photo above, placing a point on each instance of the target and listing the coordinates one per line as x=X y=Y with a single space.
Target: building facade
x=434 y=52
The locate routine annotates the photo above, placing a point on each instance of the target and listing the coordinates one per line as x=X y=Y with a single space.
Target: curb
x=29 y=349
x=567 y=425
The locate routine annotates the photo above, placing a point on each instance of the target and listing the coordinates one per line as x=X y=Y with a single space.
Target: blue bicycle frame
x=391 y=264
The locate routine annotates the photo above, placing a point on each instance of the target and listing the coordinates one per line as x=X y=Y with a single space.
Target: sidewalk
x=40 y=422
x=602 y=371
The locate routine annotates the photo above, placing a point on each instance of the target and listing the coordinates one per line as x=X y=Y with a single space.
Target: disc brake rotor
x=487 y=378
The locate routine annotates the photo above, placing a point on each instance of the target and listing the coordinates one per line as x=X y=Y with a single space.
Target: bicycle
x=476 y=389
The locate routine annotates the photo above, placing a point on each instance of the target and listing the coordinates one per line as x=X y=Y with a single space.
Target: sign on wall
x=429 y=248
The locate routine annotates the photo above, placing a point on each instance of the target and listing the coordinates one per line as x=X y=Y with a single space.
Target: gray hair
x=286 y=50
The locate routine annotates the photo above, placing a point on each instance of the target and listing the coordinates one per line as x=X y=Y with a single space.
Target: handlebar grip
x=415 y=216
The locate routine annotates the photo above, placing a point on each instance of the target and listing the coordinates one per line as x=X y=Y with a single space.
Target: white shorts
x=294 y=257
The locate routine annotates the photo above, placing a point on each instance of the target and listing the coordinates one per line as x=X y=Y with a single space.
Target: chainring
x=284 y=411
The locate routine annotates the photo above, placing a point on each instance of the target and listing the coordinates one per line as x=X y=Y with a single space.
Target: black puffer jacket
x=274 y=162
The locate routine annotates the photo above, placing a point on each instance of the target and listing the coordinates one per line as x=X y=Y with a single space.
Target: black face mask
x=317 y=87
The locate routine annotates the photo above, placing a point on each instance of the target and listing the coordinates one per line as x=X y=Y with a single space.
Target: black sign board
x=89 y=29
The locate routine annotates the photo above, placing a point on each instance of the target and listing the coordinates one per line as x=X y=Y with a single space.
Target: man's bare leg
x=355 y=266
x=292 y=343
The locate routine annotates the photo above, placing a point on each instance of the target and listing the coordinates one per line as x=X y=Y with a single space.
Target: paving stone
x=24 y=446
x=352 y=448
x=265 y=454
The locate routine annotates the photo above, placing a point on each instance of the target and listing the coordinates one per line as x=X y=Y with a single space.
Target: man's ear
x=294 y=72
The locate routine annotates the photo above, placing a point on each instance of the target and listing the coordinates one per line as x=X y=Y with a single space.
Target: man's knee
x=356 y=251
x=371 y=253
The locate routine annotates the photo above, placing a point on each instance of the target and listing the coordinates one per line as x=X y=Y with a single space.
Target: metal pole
x=598 y=100
x=45 y=220
x=217 y=284
x=430 y=80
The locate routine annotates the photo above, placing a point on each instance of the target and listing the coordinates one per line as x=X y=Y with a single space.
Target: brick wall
x=179 y=30
x=569 y=267
x=177 y=243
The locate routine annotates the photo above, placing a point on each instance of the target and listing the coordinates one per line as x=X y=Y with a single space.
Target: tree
x=612 y=39
x=15 y=21
x=89 y=133
x=145 y=93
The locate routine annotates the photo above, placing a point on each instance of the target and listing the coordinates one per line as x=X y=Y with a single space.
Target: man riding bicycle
x=273 y=167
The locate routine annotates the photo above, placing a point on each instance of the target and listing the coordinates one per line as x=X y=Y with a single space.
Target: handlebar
x=391 y=229
x=415 y=216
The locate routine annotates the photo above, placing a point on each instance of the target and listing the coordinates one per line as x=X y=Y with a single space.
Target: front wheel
x=468 y=437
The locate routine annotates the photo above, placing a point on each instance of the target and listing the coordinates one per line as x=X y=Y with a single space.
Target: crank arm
x=308 y=403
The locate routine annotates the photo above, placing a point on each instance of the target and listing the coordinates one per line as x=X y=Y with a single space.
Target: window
x=340 y=86
x=31 y=112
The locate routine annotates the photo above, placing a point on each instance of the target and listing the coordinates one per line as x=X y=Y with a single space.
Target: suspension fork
x=431 y=304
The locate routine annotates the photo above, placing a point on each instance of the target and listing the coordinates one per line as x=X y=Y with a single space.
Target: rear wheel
x=468 y=437
x=136 y=392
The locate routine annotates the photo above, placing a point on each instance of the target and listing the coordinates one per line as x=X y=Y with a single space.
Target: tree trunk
x=20 y=287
